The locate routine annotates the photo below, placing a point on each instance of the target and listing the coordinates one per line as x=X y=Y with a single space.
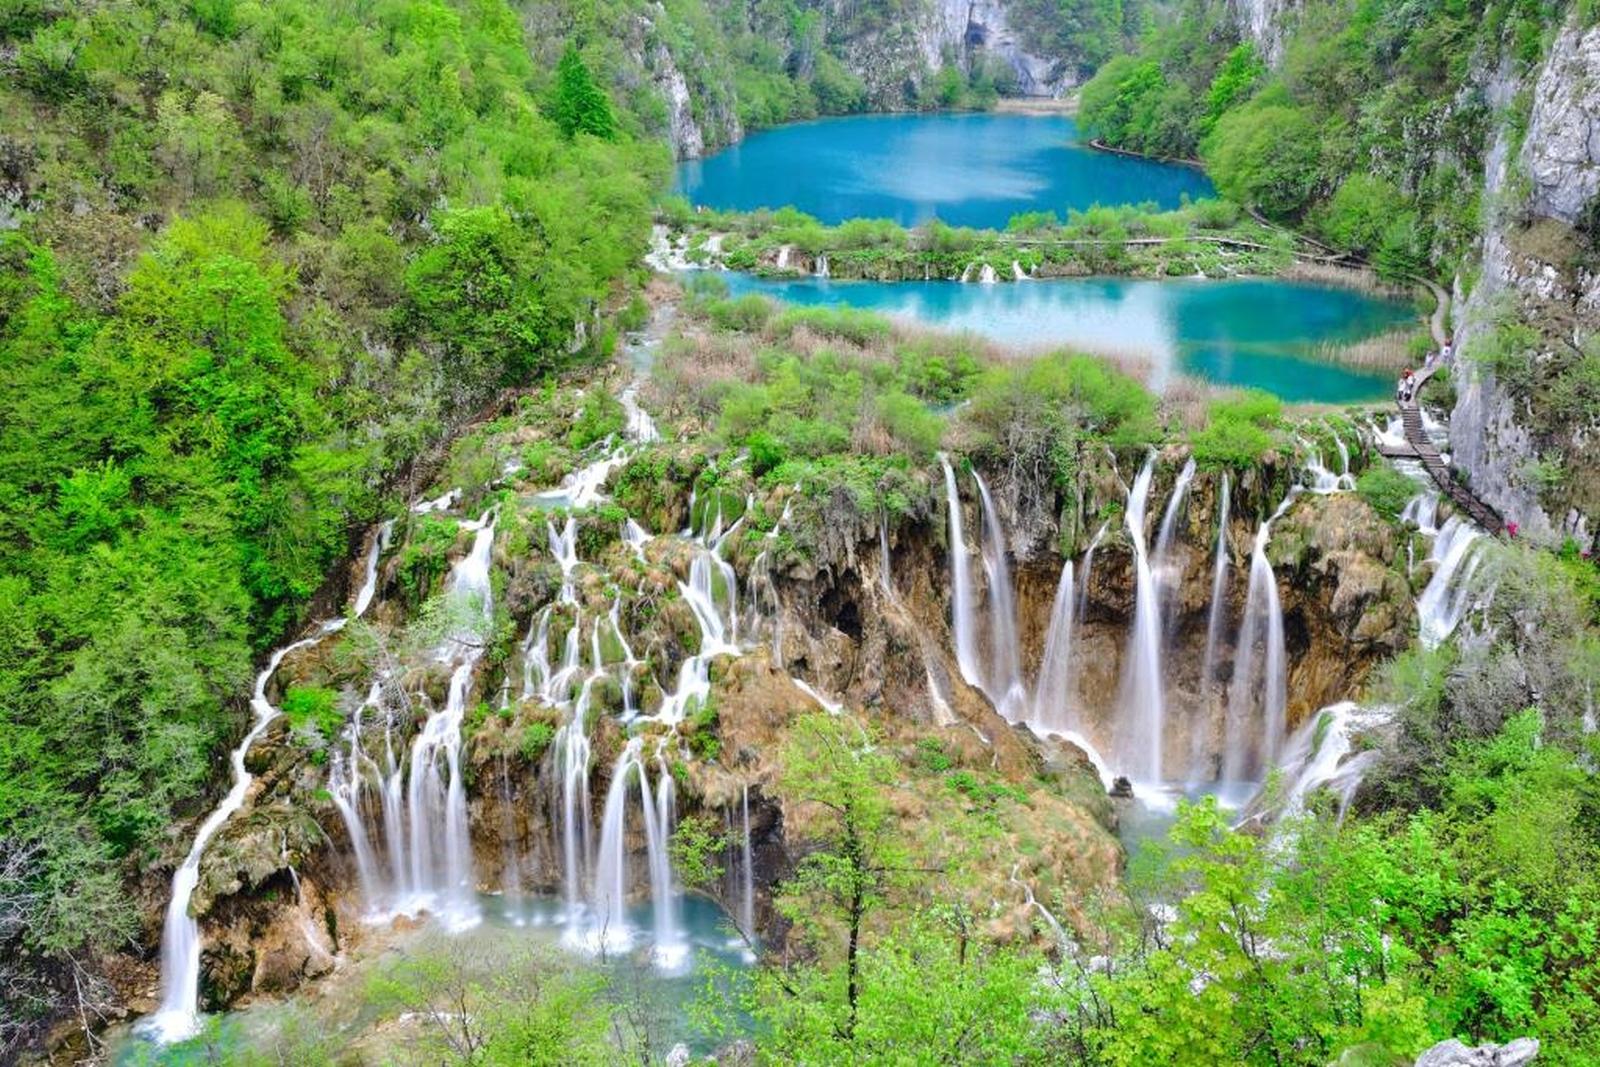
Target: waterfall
x=1219 y=586
x=1143 y=717
x=962 y=621
x=639 y=426
x=441 y=876
x=610 y=930
x=345 y=776
x=822 y=267
x=1244 y=756
x=1445 y=600
x=717 y=637
x=511 y=878
x=1053 y=691
x=783 y=257
x=1319 y=755
x=178 y=1018
x=1422 y=511
x=988 y=276
x=635 y=537
x=1016 y=272
x=1166 y=567
x=966 y=273
x=747 y=871
x=369 y=583
x=1322 y=480
x=1005 y=687
x=670 y=949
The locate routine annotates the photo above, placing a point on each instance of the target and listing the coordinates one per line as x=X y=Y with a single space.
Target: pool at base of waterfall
x=525 y=931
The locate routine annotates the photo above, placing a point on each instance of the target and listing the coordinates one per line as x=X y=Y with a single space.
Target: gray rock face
x=1563 y=143
x=1262 y=21
x=1560 y=157
x=1454 y=1054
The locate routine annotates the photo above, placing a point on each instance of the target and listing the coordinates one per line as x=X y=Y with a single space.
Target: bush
x=312 y=710
x=1237 y=431
x=1386 y=489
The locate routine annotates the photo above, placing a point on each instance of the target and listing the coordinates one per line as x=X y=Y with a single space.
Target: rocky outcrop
x=698 y=117
x=1453 y=1053
x=1525 y=448
x=1264 y=22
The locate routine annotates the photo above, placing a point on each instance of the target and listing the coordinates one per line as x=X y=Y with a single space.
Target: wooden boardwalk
x=1423 y=449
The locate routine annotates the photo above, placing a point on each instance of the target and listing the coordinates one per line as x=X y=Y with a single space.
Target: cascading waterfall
x=344 y=786
x=670 y=950
x=1054 y=690
x=1005 y=686
x=1448 y=595
x=747 y=870
x=369 y=584
x=610 y=930
x=178 y=1018
x=1143 y=718
x=441 y=876
x=1219 y=586
x=1166 y=566
x=1016 y=272
x=1247 y=750
x=1422 y=511
x=963 y=623
x=987 y=276
x=1321 y=754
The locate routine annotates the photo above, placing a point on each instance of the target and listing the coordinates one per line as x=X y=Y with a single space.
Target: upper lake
x=965 y=169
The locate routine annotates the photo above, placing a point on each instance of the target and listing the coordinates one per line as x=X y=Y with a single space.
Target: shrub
x=1386 y=489
x=312 y=710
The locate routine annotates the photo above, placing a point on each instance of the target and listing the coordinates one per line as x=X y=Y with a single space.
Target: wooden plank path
x=1423 y=449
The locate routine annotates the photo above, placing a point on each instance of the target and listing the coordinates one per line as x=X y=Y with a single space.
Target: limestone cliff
x=1525 y=418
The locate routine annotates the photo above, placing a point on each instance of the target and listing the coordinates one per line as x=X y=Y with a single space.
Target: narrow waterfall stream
x=1053 y=691
x=1142 y=718
x=963 y=624
x=1258 y=702
x=178 y=1017
x=1004 y=679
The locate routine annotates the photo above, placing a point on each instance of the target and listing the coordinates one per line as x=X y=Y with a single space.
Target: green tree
x=580 y=105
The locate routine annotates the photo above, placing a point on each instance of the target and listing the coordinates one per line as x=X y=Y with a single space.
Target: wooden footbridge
x=1419 y=447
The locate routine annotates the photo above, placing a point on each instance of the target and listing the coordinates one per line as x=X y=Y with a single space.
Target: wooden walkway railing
x=1423 y=450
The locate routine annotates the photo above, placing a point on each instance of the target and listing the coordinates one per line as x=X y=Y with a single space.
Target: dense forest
x=274 y=254
x=267 y=269
x=1371 y=128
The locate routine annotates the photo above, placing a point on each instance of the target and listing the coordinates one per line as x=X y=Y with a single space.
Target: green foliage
x=1386 y=489
x=536 y=739
x=600 y=417
x=697 y=846
x=272 y=254
x=313 y=710
x=1237 y=432
x=1265 y=155
x=579 y=105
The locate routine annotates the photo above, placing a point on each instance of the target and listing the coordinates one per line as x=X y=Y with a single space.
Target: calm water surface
x=969 y=170
x=1263 y=333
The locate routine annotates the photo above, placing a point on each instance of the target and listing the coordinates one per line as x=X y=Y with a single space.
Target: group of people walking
x=1406 y=391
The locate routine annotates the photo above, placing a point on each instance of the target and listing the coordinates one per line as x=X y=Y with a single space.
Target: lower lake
x=1262 y=333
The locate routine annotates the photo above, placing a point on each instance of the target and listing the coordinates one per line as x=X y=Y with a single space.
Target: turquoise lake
x=966 y=169
x=1262 y=333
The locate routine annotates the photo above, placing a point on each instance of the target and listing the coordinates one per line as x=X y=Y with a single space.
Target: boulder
x=1453 y=1053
